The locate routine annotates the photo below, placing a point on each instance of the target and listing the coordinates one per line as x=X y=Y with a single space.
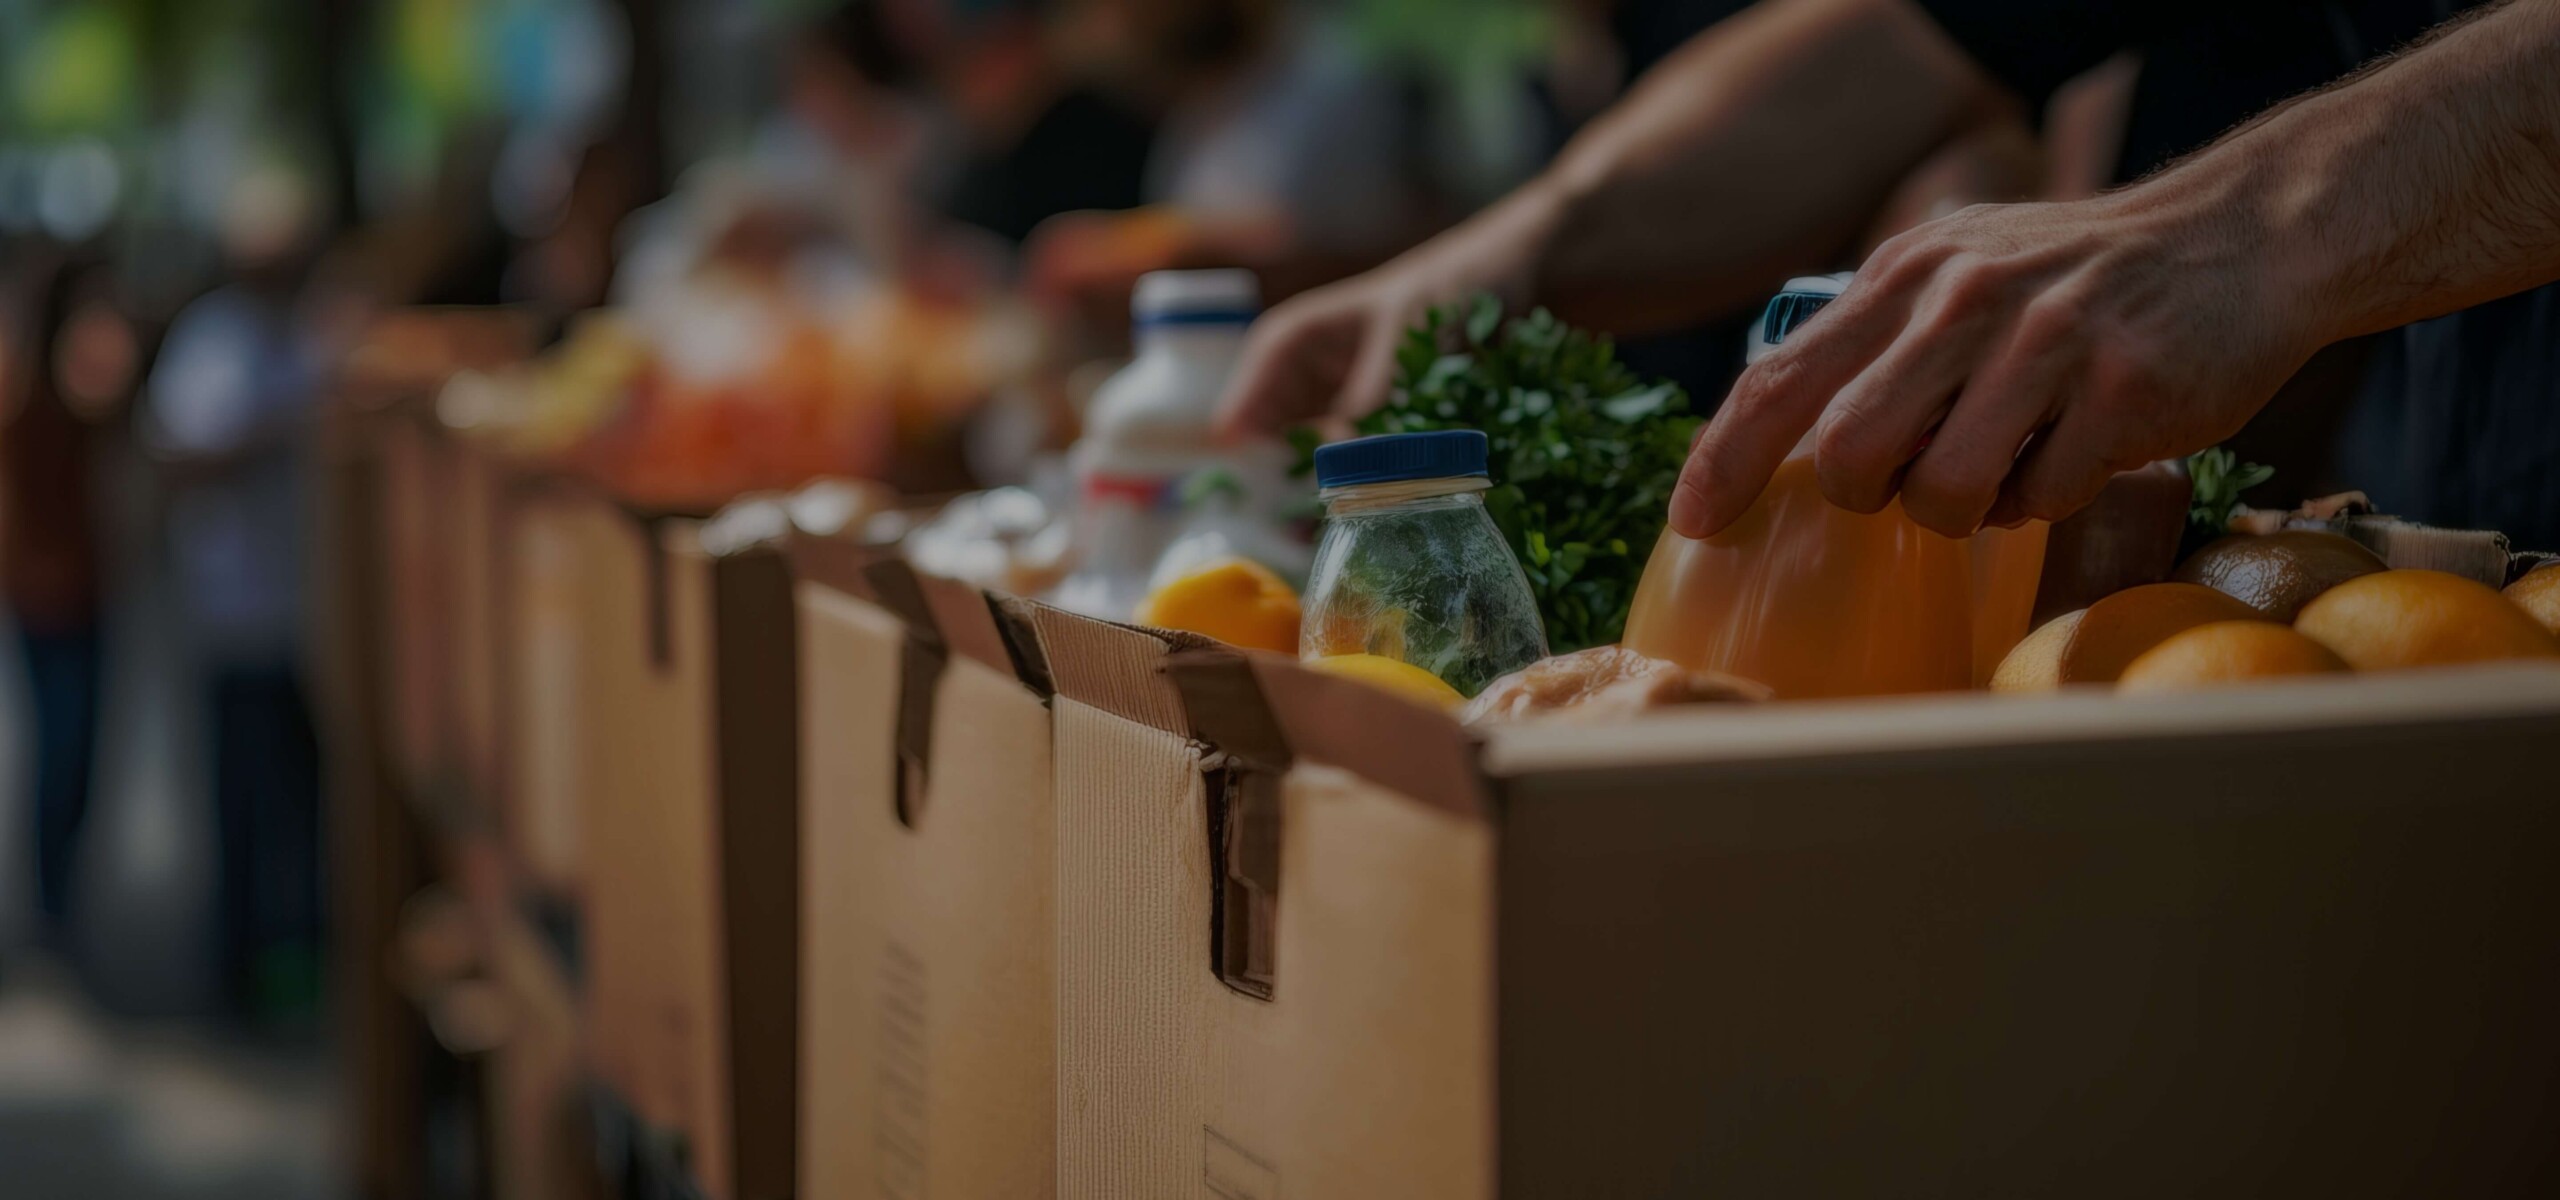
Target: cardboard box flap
x=1257 y=712
x=1825 y=729
x=1225 y=707
x=955 y=613
x=1410 y=749
x=1244 y=756
x=993 y=629
x=942 y=617
x=1115 y=668
x=835 y=563
x=1017 y=623
x=659 y=534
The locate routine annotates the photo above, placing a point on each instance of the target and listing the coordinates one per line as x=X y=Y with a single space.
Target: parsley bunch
x=1584 y=454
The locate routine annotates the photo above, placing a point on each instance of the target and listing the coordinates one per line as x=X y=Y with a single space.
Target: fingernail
x=1688 y=512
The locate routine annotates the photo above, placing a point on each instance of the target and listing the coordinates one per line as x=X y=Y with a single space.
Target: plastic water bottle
x=1151 y=431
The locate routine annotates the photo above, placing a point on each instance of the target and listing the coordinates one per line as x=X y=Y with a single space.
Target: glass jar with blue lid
x=1411 y=566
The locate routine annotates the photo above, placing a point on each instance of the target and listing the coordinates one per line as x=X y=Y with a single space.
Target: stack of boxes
x=887 y=886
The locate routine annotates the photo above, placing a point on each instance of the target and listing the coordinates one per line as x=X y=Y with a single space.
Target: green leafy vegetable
x=1584 y=453
x=2219 y=477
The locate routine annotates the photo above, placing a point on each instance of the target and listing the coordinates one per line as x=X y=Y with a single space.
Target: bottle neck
x=1372 y=497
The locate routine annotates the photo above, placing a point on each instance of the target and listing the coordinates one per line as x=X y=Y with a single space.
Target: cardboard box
x=543 y=656
x=2281 y=939
x=689 y=785
x=1170 y=1043
x=441 y=500
x=481 y=511
x=418 y=537
x=928 y=857
x=537 y=1144
x=379 y=1034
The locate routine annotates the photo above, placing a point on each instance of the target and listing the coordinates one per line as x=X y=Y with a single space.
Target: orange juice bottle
x=1814 y=600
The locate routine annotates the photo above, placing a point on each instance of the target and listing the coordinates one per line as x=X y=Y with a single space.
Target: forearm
x=1764 y=147
x=2424 y=186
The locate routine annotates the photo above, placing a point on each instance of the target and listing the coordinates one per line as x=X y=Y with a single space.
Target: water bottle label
x=1151 y=492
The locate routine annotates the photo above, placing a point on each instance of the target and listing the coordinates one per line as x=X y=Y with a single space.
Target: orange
x=1394 y=675
x=2227 y=652
x=2095 y=644
x=2538 y=593
x=1235 y=601
x=2422 y=618
x=2278 y=573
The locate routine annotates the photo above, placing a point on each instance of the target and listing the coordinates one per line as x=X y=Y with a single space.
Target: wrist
x=2294 y=191
x=2263 y=209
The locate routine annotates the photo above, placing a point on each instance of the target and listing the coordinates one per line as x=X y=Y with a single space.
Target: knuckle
x=1762 y=386
x=1845 y=432
x=1972 y=283
x=1904 y=263
x=2130 y=372
x=2051 y=319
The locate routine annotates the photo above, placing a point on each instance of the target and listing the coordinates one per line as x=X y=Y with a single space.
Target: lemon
x=1402 y=678
x=1234 y=600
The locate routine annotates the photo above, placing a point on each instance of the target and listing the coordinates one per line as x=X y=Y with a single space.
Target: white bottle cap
x=1228 y=297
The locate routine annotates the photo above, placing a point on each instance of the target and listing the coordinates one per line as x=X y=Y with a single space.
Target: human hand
x=1332 y=350
x=2001 y=364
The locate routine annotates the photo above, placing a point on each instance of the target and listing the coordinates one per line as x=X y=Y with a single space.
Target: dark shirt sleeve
x=2034 y=46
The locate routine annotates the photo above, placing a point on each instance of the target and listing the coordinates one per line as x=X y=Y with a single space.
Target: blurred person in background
x=66 y=360
x=1285 y=147
x=968 y=110
x=228 y=409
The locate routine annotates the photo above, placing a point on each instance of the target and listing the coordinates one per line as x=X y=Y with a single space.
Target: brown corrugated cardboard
x=928 y=855
x=447 y=507
x=536 y=1151
x=1169 y=1048
x=2265 y=940
x=689 y=817
x=380 y=1036
x=543 y=653
x=418 y=541
x=480 y=510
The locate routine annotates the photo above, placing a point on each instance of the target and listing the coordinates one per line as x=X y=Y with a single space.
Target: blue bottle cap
x=1195 y=298
x=1790 y=309
x=1395 y=457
